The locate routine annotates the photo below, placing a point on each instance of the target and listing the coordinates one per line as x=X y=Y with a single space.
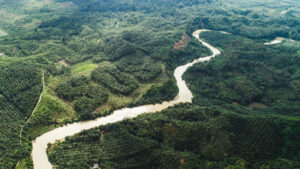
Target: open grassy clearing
x=84 y=68
x=3 y=33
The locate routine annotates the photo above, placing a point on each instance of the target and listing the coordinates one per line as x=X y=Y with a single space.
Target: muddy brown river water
x=39 y=145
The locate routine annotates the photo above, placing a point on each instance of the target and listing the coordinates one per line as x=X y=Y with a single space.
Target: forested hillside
x=77 y=49
x=249 y=72
x=18 y=16
x=186 y=136
x=20 y=87
x=245 y=114
x=102 y=55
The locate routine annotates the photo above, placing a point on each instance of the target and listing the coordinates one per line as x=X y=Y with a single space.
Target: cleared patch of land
x=257 y=105
x=83 y=68
x=276 y=41
x=3 y=33
x=185 y=40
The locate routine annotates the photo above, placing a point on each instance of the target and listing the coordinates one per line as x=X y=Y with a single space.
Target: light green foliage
x=51 y=110
x=18 y=15
x=57 y=69
x=83 y=68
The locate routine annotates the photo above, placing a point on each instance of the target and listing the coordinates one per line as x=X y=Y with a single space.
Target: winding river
x=39 y=145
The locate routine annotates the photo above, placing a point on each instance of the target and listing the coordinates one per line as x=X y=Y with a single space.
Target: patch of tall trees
x=115 y=80
x=86 y=97
x=186 y=136
x=20 y=87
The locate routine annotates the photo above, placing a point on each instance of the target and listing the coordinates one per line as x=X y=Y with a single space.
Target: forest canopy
x=20 y=87
x=98 y=56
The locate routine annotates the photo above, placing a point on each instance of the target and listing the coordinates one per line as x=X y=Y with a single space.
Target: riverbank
x=40 y=144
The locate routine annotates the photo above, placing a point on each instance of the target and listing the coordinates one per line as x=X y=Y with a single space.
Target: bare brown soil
x=181 y=44
x=257 y=105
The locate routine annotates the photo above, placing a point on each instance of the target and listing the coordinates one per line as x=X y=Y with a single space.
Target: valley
x=130 y=84
x=39 y=155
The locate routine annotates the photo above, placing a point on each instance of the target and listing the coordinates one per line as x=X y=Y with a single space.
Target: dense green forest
x=20 y=87
x=186 y=136
x=86 y=97
x=159 y=93
x=101 y=55
x=248 y=72
x=115 y=80
x=245 y=114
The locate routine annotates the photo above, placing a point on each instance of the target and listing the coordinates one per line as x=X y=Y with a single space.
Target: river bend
x=39 y=145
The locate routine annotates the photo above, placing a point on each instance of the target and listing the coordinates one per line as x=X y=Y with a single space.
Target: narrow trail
x=40 y=98
x=40 y=144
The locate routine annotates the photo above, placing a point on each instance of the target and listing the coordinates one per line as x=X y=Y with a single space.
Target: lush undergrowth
x=99 y=56
x=20 y=87
x=115 y=80
x=86 y=97
x=186 y=136
x=20 y=15
x=159 y=93
x=244 y=114
x=248 y=72
x=116 y=66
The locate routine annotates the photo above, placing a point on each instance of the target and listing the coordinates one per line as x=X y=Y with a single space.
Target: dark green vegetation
x=101 y=55
x=245 y=111
x=186 y=136
x=91 y=149
x=115 y=80
x=249 y=25
x=57 y=69
x=212 y=132
x=143 y=72
x=86 y=97
x=94 y=61
x=20 y=87
x=160 y=93
x=248 y=72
